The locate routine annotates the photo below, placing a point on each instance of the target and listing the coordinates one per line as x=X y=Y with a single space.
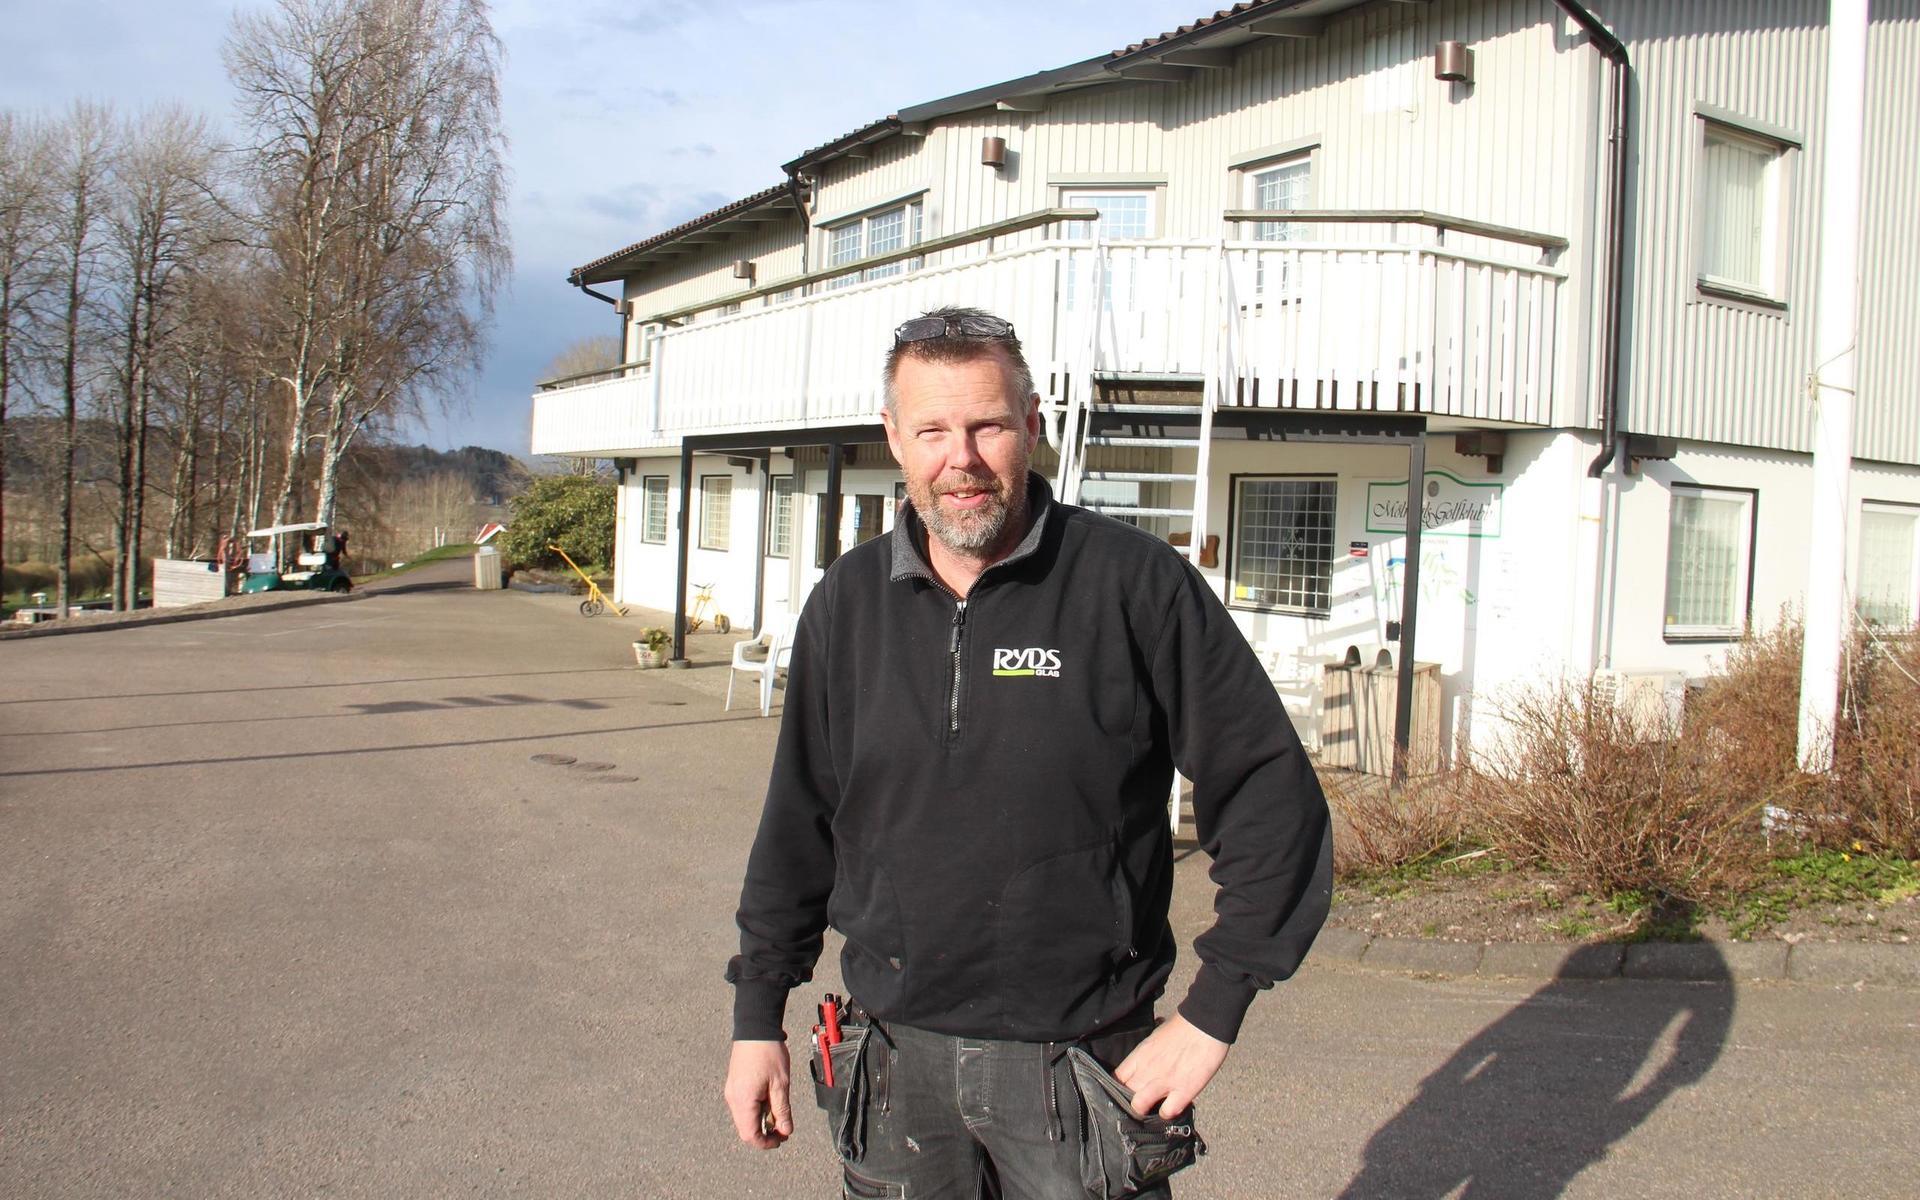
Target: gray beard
x=975 y=533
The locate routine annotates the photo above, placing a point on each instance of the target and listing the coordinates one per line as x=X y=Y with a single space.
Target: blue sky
x=624 y=118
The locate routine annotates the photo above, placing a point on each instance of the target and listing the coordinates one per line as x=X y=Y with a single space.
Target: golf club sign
x=1450 y=507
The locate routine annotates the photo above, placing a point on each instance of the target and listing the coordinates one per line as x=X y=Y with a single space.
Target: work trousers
x=960 y=1118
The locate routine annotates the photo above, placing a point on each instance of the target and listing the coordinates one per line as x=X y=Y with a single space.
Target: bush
x=1617 y=799
x=1376 y=830
x=1750 y=715
x=29 y=576
x=575 y=512
x=1874 y=799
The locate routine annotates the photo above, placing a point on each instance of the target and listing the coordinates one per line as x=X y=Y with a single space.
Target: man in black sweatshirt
x=983 y=716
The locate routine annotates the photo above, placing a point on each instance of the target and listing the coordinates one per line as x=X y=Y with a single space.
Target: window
x=867 y=517
x=1282 y=543
x=1124 y=213
x=1741 y=225
x=1889 y=585
x=780 y=519
x=826 y=531
x=653 y=512
x=716 y=512
x=879 y=232
x=1709 y=562
x=1280 y=185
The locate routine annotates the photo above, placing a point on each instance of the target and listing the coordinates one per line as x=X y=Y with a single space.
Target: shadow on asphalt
x=427 y=585
x=309 y=687
x=354 y=751
x=450 y=704
x=1541 y=1094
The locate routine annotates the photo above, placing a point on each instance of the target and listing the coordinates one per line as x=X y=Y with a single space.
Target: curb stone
x=1424 y=954
x=1850 y=963
x=190 y=613
x=1535 y=960
x=1878 y=964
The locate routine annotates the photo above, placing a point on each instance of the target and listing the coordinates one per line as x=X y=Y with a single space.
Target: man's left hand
x=1171 y=1067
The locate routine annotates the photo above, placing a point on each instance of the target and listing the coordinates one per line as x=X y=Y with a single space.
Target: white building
x=1436 y=293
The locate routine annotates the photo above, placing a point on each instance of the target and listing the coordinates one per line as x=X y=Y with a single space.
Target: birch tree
x=25 y=236
x=376 y=159
x=83 y=151
x=161 y=222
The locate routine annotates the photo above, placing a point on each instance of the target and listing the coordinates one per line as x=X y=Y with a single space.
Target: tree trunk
x=136 y=521
x=70 y=392
x=122 y=525
x=6 y=385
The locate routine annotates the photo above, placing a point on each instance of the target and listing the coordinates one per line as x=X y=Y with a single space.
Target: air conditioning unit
x=1650 y=702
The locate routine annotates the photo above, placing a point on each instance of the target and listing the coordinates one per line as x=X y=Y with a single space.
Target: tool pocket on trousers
x=855 y=1186
x=845 y=1103
x=1122 y=1154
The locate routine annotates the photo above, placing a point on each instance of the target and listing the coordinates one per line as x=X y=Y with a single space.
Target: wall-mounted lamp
x=993 y=152
x=1453 y=62
x=743 y=269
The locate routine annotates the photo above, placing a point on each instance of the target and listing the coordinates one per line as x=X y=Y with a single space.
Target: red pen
x=829 y=1035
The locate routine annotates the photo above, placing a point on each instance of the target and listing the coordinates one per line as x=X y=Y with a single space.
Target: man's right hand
x=759 y=1077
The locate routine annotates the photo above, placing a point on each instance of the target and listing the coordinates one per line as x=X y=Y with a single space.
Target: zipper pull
x=959 y=619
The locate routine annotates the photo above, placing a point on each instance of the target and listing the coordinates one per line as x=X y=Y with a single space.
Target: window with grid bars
x=1282 y=543
x=780 y=519
x=1709 y=561
x=716 y=512
x=1283 y=185
x=1124 y=213
x=653 y=515
x=1889 y=584
x=1741 y=202
x=875 y=233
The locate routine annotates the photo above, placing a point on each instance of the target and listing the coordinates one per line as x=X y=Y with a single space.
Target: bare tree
x=376 y=160
x=25 y=232
x=161 y=219
x=83 y=152
x=585 y=356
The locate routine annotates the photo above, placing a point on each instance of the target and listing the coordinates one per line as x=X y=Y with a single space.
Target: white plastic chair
x=764 y=654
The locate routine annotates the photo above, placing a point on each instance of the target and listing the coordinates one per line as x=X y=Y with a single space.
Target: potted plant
x=651 y=649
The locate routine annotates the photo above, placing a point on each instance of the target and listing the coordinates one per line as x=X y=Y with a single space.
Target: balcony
x=1354 y=321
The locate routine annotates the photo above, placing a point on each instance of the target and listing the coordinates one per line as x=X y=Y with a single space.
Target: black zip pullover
x=974 y=792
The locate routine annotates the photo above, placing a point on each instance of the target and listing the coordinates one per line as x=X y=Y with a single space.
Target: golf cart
x=315 y=555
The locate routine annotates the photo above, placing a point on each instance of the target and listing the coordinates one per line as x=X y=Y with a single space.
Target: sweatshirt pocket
x=1065 y=928
x=865 y=908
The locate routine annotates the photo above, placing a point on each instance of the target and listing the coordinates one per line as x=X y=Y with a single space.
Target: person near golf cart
x=316 y=559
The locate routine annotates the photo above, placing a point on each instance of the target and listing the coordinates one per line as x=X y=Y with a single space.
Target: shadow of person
x=1539 y=1095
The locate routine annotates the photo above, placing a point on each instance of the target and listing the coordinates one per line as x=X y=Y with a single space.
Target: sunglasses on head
x=922 y=329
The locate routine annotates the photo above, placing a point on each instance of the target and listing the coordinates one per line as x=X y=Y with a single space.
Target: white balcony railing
x=1353 y=327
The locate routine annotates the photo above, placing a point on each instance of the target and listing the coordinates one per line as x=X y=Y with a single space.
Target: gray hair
x=956 y=348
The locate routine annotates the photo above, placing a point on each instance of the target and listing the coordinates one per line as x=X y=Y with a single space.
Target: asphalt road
x=288 y=909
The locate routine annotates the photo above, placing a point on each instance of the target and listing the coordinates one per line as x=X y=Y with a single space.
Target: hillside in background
x=396 y=500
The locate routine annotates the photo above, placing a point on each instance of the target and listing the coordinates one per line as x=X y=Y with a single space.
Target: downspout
x=798 y=191
x=618 y=308
x=1616 y=235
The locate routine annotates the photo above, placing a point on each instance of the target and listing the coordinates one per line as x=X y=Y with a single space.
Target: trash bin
x=489 y=569
x=1358 y=702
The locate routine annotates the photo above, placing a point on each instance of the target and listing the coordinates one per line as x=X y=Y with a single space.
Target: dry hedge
x=1378 y=831
x=1874 y=796
x=1616 y=798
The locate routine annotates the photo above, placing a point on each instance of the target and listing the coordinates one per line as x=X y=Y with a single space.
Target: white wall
x=644 y=571
x=1784 y=484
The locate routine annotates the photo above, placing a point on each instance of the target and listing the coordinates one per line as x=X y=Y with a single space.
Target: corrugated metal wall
x=1889 y=375
x=1724 y=371
x=707 y=274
